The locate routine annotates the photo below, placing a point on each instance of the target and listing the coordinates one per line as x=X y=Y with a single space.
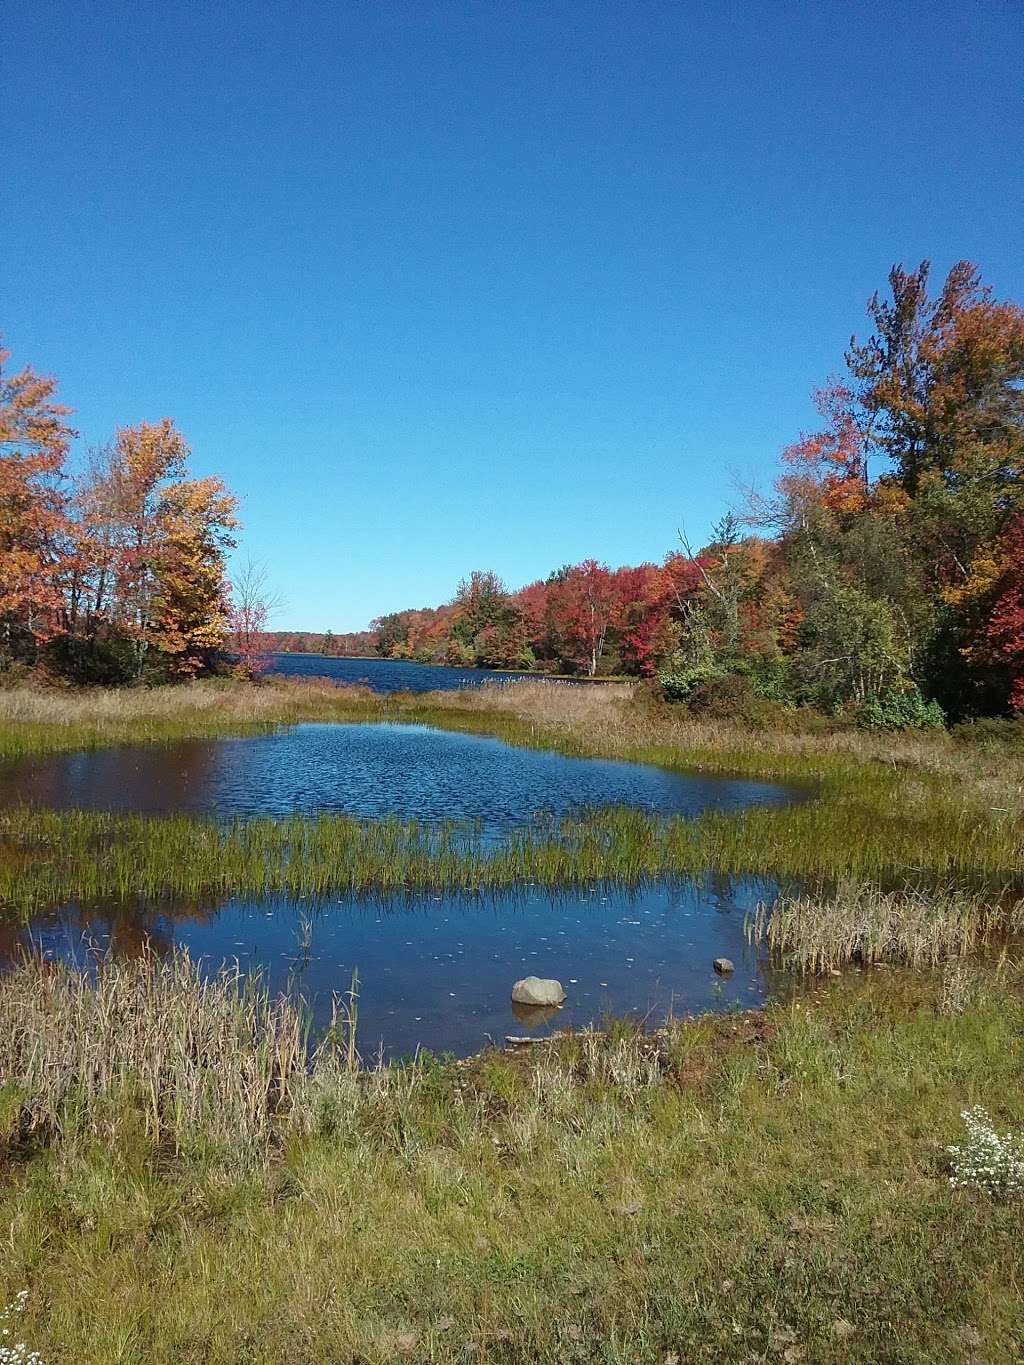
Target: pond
x=369 y=770
x=437 y=971
x=387 y=675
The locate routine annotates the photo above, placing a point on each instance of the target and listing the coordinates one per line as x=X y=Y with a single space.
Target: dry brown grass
x=861 y=923
x=196 y=1059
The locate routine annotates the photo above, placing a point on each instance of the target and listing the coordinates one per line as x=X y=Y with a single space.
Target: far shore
x=466 y=668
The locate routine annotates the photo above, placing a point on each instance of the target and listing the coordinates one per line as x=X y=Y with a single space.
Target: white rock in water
x=723 y=966
x=534 y=990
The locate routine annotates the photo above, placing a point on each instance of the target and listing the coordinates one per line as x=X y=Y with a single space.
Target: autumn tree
x=190 y=604
x=34 y=439
x=487 y=627
x=251 y=602
x=583 y=599
x=938 y=388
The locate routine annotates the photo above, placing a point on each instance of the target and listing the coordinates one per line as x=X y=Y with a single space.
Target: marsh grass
x=863 y=923
x=195 y=1058
x=46 y=855
x=722 y=1190
x=876 y=806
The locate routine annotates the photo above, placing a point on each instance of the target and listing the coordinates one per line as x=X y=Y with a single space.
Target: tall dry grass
x=196 y=1060
x=860 y=922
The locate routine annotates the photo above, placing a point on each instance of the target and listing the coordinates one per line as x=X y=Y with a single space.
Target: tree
x=153 y=544
x=939 y=391
x=829 y=466
x=487 y=627
x=251 y=602
x=34 y=439
x=1002 y=636
x=583 y=600
x=190 y=604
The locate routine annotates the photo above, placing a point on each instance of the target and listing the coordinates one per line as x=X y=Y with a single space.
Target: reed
x=48 y=856
x=194 y=1058
x=861 y=922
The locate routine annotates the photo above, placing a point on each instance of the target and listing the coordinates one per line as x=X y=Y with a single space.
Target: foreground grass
x=747 y=1188
x=891 y=808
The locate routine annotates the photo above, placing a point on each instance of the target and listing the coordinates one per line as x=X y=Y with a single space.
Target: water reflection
x=437 y=971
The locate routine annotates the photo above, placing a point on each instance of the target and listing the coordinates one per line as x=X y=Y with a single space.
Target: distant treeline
x=351 y=645
x=884 y=573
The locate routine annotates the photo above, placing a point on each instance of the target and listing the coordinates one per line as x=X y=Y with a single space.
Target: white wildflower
x=989 y=1161
x=18 y=1352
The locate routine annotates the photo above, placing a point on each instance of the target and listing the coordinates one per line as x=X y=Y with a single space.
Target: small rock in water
x=534 y=990
x=723 y=966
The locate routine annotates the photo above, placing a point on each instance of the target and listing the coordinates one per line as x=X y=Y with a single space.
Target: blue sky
x=438 y=287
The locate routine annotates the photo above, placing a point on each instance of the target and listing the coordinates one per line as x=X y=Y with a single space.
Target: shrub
x=769 y=675
x=900 y=710
x=736 y=697
x=992 y=732
x=679 y=679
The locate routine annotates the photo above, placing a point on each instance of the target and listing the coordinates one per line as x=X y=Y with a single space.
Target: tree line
x=884 y=571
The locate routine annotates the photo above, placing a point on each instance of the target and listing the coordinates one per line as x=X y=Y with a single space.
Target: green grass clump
x=730 y=1189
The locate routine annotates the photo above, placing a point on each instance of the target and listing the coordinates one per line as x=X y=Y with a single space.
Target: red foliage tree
x=1004 y=631
x=34 y=440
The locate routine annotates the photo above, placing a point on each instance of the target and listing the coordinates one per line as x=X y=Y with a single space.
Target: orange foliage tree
x=34 y=439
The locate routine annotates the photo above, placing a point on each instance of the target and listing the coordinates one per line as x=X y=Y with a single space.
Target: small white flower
x=988 y=1161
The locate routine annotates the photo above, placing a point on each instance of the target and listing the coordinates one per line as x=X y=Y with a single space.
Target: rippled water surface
x=437 y=971
x=371 y=770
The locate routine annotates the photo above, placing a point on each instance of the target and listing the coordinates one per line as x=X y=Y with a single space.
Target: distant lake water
x=386 y=675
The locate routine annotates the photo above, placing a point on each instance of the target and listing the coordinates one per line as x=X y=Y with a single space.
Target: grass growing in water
x=48 y=856
x=730 y=1189
x=918 y=926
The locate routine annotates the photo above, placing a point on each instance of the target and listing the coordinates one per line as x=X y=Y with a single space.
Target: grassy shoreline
x=761 y=1186
x=188 y=1177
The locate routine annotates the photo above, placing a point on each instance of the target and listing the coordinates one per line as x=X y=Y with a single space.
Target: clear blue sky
x=438 y=287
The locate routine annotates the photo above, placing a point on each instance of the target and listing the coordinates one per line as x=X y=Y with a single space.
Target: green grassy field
x=755 y=1187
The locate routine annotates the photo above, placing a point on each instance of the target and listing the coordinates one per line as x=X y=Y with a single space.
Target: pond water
x=437 y=971
x=370 y=770
x=387 y=675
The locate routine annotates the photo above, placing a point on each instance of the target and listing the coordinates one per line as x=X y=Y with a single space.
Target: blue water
x=386 y=675
x=369 y=770
x=437 y=971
